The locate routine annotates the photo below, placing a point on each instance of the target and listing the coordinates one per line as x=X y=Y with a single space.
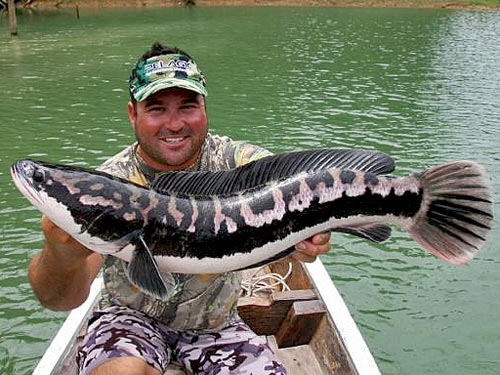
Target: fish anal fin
x=144 y=272
x=372 y=232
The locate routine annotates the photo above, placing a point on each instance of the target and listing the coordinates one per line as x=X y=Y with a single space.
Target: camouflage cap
x=165 y=71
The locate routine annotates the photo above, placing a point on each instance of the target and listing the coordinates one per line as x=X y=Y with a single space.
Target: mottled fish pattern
x=229 y=220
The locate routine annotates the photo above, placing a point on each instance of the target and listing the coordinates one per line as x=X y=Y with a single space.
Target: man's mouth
x=173 y=139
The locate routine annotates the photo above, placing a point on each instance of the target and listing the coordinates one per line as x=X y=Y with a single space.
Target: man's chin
x=179 y=160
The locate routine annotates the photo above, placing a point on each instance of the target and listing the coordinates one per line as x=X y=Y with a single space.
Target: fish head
x=30 y=178
x=90 y=206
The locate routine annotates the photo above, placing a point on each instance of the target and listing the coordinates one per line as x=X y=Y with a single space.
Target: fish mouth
x=22 y=173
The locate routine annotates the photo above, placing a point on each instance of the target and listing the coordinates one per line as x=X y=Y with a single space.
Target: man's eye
x=155 y=109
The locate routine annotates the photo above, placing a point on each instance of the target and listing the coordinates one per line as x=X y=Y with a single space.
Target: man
x=197 y=323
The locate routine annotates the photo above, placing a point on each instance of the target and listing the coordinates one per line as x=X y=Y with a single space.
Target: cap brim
x=167 y=83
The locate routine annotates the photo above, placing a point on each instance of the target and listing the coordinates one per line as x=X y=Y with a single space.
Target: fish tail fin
x=456 y=213
x=144 y=272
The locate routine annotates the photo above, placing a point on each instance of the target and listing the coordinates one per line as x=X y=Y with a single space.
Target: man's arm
x=61 y=274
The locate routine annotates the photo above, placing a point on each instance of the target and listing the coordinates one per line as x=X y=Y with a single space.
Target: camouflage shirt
x=204 y=301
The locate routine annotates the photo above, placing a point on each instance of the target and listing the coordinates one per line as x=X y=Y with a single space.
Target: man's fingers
x=321 y=239
x=298 y=255
x=53 y=232
x=318 y=244
x=47 y=225
x=308 y=250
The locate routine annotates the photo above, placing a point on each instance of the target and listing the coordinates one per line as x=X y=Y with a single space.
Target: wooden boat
x=307 y=324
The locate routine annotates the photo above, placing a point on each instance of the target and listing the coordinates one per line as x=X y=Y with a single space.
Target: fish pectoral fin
x=372 y=232
x=144 y=272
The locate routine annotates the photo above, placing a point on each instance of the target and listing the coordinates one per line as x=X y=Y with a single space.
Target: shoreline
x=426 y=4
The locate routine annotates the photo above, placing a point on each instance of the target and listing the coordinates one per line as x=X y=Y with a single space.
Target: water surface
x=421 y=85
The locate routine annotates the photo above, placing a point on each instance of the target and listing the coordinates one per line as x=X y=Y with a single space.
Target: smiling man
x=196 y=324
x=178 y=145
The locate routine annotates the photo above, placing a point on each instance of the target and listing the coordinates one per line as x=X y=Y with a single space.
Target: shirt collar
x=151 y=173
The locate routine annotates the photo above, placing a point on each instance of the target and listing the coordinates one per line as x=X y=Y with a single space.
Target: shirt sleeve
x=123 y=165
x=245 y=153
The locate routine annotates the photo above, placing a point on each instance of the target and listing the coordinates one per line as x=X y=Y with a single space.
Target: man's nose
x=173 y=121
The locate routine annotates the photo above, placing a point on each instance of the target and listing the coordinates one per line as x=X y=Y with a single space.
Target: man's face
x=170 y=126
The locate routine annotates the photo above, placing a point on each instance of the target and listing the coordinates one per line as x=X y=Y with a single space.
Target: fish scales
x=252 y=220
x=229 y=220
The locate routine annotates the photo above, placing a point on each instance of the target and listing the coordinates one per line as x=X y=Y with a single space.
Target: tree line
x=23 y=3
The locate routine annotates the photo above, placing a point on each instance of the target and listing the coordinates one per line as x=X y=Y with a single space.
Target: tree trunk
x=12 y=17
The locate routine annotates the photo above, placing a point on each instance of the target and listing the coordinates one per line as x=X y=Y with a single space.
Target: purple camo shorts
x=120 y=331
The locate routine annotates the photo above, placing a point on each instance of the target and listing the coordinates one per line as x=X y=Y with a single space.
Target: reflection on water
x=421 y=85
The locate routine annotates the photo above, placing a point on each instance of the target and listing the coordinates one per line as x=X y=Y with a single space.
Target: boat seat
x=265 y=315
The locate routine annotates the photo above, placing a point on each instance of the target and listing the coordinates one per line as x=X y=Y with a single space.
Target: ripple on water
x=420 y=85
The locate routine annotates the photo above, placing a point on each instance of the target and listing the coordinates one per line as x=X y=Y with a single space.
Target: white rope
x=265 y=283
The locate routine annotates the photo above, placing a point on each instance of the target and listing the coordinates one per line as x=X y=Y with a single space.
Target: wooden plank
x=265 y=314
x=301 y=360
x=348 y=339
x=69 y=365
x=300 y=323
x=294 y=295
x=271 y=341
x=298 y=279
x=329 y=350
x=298 y=360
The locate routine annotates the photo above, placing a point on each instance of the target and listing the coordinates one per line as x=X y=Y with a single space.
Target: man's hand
x=308 y=250
x=61 y=274
x=65 y=247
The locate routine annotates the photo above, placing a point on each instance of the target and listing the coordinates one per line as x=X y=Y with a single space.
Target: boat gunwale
x=65 y=337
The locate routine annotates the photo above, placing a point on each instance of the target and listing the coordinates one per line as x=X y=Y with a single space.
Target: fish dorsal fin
x=270 y=168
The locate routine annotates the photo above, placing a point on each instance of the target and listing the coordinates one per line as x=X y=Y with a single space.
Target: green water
x=421 y=85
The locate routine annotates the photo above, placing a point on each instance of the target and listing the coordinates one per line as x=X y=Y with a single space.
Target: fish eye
x=38 y=176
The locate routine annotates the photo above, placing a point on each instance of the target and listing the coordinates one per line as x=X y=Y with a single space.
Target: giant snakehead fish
x=212 y=222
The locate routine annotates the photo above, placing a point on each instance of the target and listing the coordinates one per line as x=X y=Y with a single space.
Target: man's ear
x=132 y=113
